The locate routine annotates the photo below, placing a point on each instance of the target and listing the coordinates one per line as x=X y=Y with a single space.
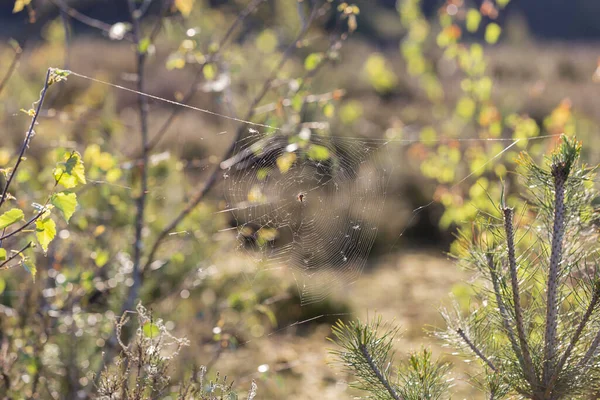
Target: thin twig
x=475 y=350
x=12 y=67
x=5 y=262
x=200 y=73
x=24 y=226
x=514 y=279
x=28 y=136
x=84 y=19
x=212 y=179
x=380 y=376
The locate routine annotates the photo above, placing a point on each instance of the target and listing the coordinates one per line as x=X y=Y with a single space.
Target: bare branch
x=84 y=19
x=28 y=136
x=212 y=179
x=11 y=68
x=199 y=74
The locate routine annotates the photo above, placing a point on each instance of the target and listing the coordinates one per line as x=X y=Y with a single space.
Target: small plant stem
x=475 y=350
x=28 y=136
x=503 y=311
x=528 y=371
x=560 y=176
x=380 y=376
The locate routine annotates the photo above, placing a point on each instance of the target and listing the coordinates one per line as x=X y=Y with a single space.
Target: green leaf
x=2 y=256
x=71 y=171
x=318 y=153
x=66 y=203
x=10 y=217
x=45 y=230
x=473 y=19
x=285 y=162
x=184 y=7
x=144 y=45
x=20 y=5
x=312 y=61
x=150 y=330
x=31 y=268
x=2 y=285
x=175 y=61
x=492 y=33
x=267 y=41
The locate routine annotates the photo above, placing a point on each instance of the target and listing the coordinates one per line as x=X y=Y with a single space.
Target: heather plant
x=142 y=370
x=533 y=323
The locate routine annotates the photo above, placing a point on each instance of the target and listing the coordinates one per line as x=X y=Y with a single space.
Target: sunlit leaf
x=144 y=45
x=313 y=60
x=267 y=41
x=380 y=75
x=66 y=203
x=2 y=281
x=31 y=268
x=71 y=171
x=2 y=256
x=285 y=162
x=465 y=107
x=318 y=153
x=45 y=231
x=20 y=5
x=175 y=61
x=151 y=330
x=492 y=33
x=473 y=19
x=10 y=217
x=184 y=7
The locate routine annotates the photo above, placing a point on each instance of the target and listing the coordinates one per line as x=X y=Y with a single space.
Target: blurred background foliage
x=424 y=77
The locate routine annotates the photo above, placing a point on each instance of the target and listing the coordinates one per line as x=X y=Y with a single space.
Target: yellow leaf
x=285 y=162
x=184 y=7
x=20 y=5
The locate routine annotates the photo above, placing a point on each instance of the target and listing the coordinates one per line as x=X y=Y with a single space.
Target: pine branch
x=380 y=376
x=504 y=311
x=582 y=324
x=475 y=350
x=512 y=263
x=559 y=173
x=591 y=351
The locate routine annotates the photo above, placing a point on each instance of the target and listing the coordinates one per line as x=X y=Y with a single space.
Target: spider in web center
x=301 y=197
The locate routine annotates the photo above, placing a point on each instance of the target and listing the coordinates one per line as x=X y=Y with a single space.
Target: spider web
x=310 y=202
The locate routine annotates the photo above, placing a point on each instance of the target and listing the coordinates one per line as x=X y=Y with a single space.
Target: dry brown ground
x=406 y=290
